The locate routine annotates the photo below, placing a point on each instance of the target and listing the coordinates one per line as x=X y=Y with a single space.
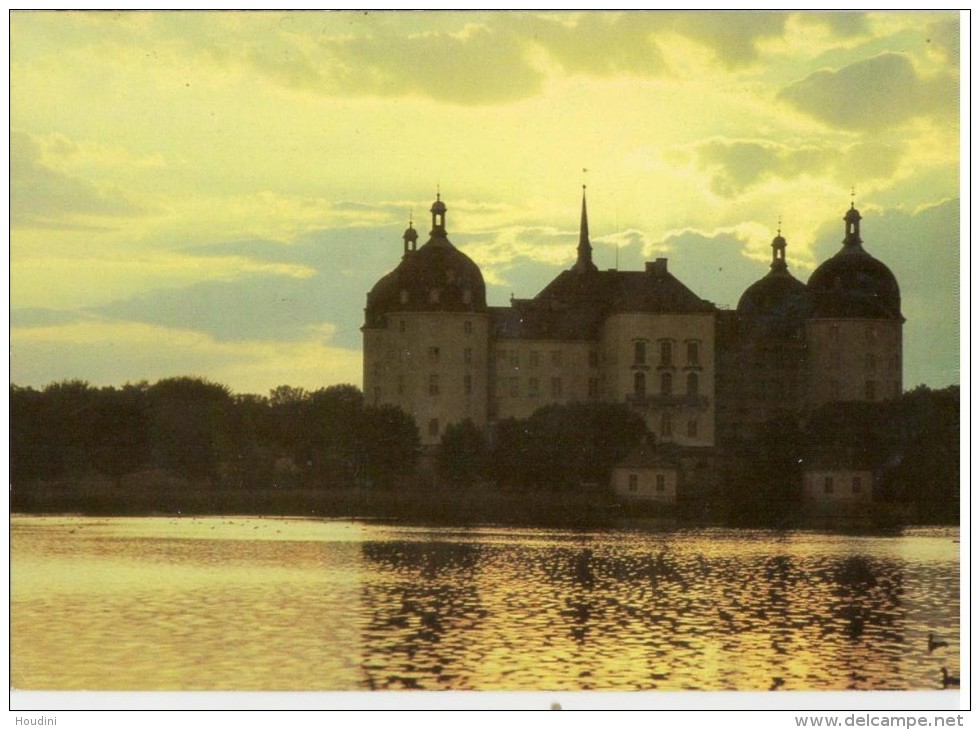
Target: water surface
x=293 y=604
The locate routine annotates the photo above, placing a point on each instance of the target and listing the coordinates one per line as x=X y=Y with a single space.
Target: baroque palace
x=703 y=378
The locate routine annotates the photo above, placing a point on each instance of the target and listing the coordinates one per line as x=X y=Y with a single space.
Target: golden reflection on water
x=287 y=604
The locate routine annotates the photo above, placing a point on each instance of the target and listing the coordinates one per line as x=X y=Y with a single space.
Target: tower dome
x=437 y=277
x=774 y=305
x=853 y=284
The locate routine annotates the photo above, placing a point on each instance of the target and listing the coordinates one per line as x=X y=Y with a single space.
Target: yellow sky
x=214 y=193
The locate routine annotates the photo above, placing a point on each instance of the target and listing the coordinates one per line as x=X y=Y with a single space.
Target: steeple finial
x=779 y=249
x=410 y=236
x=852 y=225
x=583 y=263
x=438 y=211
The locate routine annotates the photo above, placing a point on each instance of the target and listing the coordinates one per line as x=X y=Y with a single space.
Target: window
x=634 y=482
x=533 y=358
x=640 y=384
x=433 y=426
x=666 y=425
x=661 y=482
x=639 y=352
x=873 y=334
x=401 y=325
x=556 y=357
x=593 y=388
x=692 y=353
x=593 y=359
x=556 y=387
x=434 y=296
x=433 y=385
x=532 y=387
x=467 y=327
x=467 y=384
x=467 y=296
x=433 y=355
x=692 y=428
x=403 y=296
x=869 y=390
x=856 y=485
x=692 y=383
x=666 y=352
x=828 y=485
x=468 y=355
x=666 y=384
x=401 y=385
x=513 y=387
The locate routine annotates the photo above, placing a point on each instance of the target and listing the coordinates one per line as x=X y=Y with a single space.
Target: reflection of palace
x=702 y=377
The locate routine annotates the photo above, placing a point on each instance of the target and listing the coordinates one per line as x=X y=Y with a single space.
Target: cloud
x=873 y=94
x=471 y=58
x=839 y=24
x=111 y=353
x=42 y=196
x=42 y=317
x=715 y=265
x=733 y=37
x=736 y=165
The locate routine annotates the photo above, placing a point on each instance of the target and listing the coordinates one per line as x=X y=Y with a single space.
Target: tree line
x=199 y=431
x=913 y=443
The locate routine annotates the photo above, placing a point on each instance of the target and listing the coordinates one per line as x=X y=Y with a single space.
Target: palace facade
x=702 y=378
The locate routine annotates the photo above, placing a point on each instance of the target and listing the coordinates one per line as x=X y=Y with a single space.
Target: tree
x=463 y=453
x=390 y=444
x=189 y=425
x=563 y=445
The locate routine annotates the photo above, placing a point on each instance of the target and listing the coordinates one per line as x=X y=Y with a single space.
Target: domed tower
x=426 y=334
x=854 y=325
x=771 y=353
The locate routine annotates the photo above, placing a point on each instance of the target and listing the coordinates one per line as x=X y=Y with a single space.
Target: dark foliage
x=562 y=446
x=198 y=432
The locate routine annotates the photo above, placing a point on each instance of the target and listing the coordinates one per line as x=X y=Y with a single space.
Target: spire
x=852 y=227
x=584 y=262
x=779 y=250
x=410 y=237
x=438 y=211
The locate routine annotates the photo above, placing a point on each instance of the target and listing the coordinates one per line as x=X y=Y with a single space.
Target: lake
x=244 y=603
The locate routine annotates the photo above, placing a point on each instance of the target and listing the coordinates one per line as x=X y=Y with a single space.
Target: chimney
x=657 y=267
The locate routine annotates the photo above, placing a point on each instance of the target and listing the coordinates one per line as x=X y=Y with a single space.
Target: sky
x=213 y=194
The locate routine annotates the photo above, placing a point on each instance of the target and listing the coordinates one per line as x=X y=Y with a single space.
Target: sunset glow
x=213 y=194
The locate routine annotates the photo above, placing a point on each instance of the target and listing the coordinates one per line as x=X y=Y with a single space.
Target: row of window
x=512 y=358
x=872 y=334
x=666 y=384
x=666 y=352
x=435 y=296
x=873 y=390
x=467 y=326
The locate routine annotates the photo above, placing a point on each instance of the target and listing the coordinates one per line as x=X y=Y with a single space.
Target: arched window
x=666 y=384
x=640 y=384
x=639 y=352
x=692 y=383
